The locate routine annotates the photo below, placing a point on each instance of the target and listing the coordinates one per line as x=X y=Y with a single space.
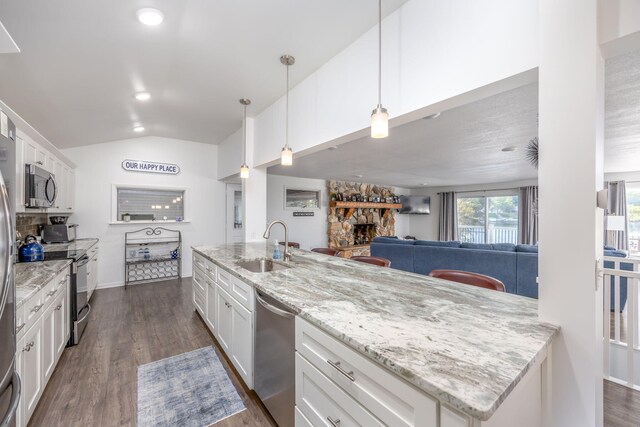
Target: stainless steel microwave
x=40 y=189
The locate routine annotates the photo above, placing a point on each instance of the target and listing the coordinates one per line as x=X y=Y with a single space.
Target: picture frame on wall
x=302 y=199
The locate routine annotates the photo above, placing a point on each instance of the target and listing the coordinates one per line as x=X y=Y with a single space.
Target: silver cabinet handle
x=339 y=368
x=59 y=307
x=334 y=423
x=51 y=293
x=39 y=162
x=37 y=308
x=19 y=328
x=28 y=346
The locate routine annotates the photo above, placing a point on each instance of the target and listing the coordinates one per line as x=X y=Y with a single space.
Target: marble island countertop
x=76 y=245
x=30 y=277
x=468 y=347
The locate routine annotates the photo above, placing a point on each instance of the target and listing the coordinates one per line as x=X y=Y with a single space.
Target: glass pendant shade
x=379 y=123
x=286 y=156
x=244 y=171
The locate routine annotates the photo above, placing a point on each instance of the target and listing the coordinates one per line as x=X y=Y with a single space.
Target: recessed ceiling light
x=424 y=184
x=138 y=128
x=509 y=148
x=142 y=96
x=335 y=147
x=432 y=116
x=357 y=176
x=150 y=16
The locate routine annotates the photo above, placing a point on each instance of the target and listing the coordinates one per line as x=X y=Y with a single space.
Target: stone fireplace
x=352 y=226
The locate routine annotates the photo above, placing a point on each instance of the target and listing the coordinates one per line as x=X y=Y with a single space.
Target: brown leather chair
x=375 y=260
x=468 y=278
x=291 y=244
x=326 y=251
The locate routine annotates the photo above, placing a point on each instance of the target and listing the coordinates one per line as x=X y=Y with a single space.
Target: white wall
x=99 y=167
x=425 y=227
x=310 y=232
x=428 y=49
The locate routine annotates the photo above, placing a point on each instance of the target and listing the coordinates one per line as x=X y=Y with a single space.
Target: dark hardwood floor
x=94 y=383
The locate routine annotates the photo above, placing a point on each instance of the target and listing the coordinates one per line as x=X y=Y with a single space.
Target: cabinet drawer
x=92 y=251
x=61 y=280
x=242 y=292
x=210 y=269
x=20 y=323
x=301 y=420
x=224 y=279
x=48 y=292
x=384 y=394
x=200 y=302
x=33 y=308
x=199 y=280
x=199 y=261
x=323 y=403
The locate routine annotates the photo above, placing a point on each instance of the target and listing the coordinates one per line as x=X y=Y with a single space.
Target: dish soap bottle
x=276 y=251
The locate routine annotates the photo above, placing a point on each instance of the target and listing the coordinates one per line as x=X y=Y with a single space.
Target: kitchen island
x=465 y=347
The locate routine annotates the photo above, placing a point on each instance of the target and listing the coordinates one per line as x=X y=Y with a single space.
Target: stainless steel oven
x=40 y=190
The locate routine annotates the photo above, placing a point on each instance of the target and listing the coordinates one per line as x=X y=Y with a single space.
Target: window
x=301 y=199
x=488 y=219
x=148 y=204
x=633 y=216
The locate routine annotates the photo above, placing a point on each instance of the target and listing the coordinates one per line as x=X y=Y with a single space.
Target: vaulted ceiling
x=82 y=61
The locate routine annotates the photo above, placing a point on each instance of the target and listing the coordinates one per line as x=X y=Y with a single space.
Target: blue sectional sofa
x=515 y=265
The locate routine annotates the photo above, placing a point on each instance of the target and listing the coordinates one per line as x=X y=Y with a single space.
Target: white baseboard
x=120 y=284
x=110 y=285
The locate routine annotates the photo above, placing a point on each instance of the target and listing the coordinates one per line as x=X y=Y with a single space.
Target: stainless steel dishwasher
x=274 y=360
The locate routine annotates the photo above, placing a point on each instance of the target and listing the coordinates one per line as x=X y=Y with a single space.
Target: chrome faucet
x=287 y=255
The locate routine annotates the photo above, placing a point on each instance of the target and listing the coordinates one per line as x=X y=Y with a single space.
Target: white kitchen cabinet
x=48 y=351
x=18 y=188
x=211 y=306
x=32 y=370
x=30 y=151
x=70 y=189
x=61 y=188
x=242 y=341
x=223 y=319
x=46 y=317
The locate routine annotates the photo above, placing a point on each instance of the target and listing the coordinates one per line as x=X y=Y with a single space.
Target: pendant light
x=286 y=157
x=379 y=116
x=244 y=169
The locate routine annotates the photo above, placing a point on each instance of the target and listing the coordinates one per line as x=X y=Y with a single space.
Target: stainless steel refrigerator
x=9 y=379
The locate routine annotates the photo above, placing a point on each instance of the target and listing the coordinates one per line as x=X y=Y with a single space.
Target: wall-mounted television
x=416 y=205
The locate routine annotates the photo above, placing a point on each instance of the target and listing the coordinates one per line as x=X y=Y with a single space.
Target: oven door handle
x=16 y=390
x=51 y=200
x=86 y=315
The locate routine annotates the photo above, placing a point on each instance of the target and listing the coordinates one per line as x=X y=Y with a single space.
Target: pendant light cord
x=286 y=138
x=244 y=137
x=379 y=52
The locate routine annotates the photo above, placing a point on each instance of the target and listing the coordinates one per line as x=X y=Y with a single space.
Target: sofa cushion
x=610 y=248
x=401 y=256
x=507 y=247
x=501 y=265
x=527 y=265
x=484 y=246
x=393 y=241
x=527 y=248
x=616 y=253
x=436 y=243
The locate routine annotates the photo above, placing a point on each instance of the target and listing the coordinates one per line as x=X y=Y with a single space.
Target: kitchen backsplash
x=29 y=223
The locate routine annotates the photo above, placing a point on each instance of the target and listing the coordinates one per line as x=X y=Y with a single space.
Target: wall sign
x=303 y=213
x=152 y=167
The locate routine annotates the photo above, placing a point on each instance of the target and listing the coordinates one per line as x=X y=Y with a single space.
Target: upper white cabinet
x=30 y=152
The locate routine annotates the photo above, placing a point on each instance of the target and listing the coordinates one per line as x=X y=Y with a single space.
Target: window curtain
x=617 y=205
x=448 y=217
x=528 y=215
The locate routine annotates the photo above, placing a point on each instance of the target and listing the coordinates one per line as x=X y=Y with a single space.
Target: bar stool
x=326 y=251
x=374 y=260
x=468 y=278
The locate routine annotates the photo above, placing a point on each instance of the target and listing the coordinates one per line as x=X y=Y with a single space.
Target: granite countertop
x=466 y=346
x=30 y=277
x=76 y=245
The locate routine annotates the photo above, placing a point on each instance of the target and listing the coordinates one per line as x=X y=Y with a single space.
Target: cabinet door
x=31 y=373
x=71 y=190
x=41 y=156
x=48 y=349
x=50 y=164
x=242 y=341
x=60 y=322
x=61 y=188
x=18 y=188
x=211 y=306
x=30 y=152
x=223 y=317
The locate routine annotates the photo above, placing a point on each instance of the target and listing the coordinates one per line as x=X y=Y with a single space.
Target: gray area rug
x=190 y=389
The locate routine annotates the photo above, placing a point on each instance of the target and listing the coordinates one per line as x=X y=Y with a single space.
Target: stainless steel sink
x=261 y=265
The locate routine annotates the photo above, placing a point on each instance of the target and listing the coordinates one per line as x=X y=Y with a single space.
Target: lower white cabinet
x=39 y=349
x=235 y=333
x=211 y=310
